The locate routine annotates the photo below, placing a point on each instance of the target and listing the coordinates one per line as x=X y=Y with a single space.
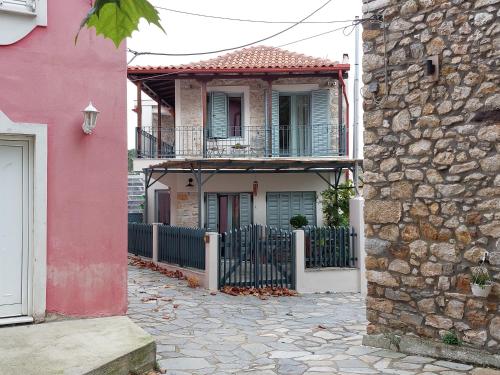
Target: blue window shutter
x=218 y=111
x=276 y=124
x=309 y=206
x=321 y=122
x=245 y=209
x=285 y=210
x=272 y=209
x=212 y=212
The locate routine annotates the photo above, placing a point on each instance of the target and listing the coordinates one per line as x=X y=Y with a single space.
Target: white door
x=14 y=226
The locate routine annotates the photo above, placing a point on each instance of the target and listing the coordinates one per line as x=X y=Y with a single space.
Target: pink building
x=62 y=192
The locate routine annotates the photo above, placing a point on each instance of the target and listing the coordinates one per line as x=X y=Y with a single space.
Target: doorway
x=163 y=206
x=16 y=205
x=294 y=124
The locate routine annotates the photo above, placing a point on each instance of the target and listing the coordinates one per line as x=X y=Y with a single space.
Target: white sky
x=186 y=34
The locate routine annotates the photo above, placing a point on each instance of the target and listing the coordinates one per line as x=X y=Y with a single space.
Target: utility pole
x=355 y=133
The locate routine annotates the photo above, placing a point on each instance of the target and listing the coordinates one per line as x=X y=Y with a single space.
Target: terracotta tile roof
x=258 y=58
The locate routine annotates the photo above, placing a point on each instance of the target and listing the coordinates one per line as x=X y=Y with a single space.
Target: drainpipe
x=344 y=91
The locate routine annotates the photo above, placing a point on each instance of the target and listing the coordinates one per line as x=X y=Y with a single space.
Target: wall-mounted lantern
x=89 y=118
x=190 y=183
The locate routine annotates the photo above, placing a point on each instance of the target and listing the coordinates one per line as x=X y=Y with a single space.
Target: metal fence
x=329 y=247
x=241 y=142
x=257 y=256
x=140 y=239
x=182 y=246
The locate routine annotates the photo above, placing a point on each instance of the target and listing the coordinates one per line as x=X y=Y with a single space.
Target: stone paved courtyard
x=200 y=333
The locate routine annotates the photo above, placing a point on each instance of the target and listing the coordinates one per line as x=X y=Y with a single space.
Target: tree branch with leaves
x=118 y=19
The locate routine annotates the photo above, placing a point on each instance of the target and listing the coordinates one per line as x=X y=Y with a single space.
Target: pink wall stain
x=46 y=78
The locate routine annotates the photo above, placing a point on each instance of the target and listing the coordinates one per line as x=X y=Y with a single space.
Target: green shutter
x=212 y=212
x=321 y=122
x=245 y=209
x=309 y=206
x=275 y=124
x=272 y=209
x=281 y=207
x=218 y=113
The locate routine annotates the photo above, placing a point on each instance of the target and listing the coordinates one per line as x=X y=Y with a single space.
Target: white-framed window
x=225 y=114
x=19 y=17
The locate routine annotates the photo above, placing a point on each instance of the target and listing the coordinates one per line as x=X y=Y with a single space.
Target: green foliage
x=336 y=204
x=117 y=19
x=480 y=276
x=451 y=338
x=298 y=221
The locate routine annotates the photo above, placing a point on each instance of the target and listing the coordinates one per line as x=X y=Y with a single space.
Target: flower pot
x=481 y=291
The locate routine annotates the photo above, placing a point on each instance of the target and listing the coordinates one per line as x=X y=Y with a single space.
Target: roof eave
x=176 y=71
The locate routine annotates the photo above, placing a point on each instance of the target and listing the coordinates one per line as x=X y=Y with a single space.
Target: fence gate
x=257 y=256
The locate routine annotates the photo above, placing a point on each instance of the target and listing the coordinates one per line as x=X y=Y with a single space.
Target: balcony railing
x=241 y=142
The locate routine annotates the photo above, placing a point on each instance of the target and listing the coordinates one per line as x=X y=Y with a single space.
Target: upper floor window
x=225 y=114
x=19 y=17
x=19 y=6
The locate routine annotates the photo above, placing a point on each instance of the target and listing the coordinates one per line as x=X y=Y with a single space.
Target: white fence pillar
x=300 y=260
x=357 y=221
x=211 y=260
x=155 y=242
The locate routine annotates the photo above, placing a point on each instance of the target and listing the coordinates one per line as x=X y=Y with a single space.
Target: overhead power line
x=343 y=28
x=136 y=53
x=245 y=19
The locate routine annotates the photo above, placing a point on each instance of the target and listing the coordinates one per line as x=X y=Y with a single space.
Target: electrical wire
x=245 y=19
x=343 y=28
x=136 y=53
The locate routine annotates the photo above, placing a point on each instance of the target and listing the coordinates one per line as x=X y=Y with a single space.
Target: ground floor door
x=228 y=211
x=163 y=206
x=15 y=179
x=281 y=206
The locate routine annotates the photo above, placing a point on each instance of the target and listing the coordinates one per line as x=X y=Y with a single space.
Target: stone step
x=113 y=345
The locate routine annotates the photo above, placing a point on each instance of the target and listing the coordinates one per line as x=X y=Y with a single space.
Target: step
x=113 y=345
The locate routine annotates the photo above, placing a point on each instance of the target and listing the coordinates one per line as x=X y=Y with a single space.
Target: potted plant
x=481 y=281
x=298 y=221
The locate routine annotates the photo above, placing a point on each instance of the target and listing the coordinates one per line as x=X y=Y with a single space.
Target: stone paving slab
x=199 y=333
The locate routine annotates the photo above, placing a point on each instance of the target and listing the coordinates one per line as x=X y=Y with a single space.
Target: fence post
x=155 y=242
x=211 y=260
x=356 y=220
x=300 y=259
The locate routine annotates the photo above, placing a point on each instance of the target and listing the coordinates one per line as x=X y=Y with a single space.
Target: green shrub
x=451 y=338
x=298 y=221
x=336 y=204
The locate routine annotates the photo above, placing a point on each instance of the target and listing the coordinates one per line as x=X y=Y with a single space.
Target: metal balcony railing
x=241 y=142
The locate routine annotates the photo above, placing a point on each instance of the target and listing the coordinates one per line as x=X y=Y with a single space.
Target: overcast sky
x=190 y=34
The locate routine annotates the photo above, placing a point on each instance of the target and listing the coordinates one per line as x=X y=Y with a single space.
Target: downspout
x=344 y=91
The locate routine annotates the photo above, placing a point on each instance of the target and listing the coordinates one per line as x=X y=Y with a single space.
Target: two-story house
x=254 y=136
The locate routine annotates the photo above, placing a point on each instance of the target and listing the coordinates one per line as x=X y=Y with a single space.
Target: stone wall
x=187 y=209
x=431 y=169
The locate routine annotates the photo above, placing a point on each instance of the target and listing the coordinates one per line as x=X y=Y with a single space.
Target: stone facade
x=431 y=170
x=191 y=107
x=187 y=209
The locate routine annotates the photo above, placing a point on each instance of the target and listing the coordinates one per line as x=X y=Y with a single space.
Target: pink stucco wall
x=45 y=78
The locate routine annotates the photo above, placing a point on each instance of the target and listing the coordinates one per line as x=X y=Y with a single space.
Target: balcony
x=319 y=140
